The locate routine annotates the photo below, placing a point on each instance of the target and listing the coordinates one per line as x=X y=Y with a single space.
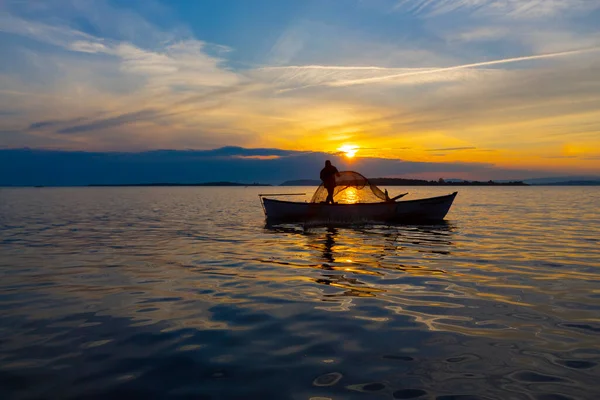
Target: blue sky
x=511 y=83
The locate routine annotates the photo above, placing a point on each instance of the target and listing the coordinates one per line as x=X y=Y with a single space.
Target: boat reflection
x=351 y=258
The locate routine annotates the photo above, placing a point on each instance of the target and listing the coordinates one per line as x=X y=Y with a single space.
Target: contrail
x=361 y=81
x=327 y=67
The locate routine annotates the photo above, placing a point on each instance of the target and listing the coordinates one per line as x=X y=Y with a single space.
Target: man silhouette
x=328 y=175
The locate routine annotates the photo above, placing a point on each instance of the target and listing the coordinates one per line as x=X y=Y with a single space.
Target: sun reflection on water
x=349 y=196
x=193 y=272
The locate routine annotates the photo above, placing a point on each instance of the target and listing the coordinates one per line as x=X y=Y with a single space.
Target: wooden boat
x=428 y=209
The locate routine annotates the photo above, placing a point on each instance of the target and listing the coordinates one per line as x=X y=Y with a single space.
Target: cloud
x=258 y=157
x=40 y=167
x=89 y=47
x=304 y=77
x=560 y=156
x=484 y=33
x=111 y=83
x=182 y=62
x=43 y=124
x=112 y=122
x=55 y=35
x=236 y=151
x=287 y=46
x=453 y=149
x=28 y=94
x=52 y=123
x=460 y=67
x=512 y=8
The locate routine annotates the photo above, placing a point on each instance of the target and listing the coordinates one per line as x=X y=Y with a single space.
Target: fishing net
x=351 y=187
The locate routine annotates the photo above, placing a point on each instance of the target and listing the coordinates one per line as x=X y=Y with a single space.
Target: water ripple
x=184 y=292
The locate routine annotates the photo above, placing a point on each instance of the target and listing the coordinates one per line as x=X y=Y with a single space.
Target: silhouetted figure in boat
x=328 y=175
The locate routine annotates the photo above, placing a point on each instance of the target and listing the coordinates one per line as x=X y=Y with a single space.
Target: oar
x=397 y=197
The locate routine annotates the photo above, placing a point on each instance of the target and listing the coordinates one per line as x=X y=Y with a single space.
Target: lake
x=183 y=292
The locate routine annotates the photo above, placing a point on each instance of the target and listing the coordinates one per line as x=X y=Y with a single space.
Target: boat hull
x=429 y=209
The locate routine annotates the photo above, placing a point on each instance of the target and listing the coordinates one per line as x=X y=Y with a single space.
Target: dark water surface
x=184 y=293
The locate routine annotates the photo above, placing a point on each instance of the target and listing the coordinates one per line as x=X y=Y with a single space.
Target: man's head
x=327 y=163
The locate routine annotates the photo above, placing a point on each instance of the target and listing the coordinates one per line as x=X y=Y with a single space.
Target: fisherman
x=328 y=175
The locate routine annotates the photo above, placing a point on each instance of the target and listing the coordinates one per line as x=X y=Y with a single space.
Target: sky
x=473 y=89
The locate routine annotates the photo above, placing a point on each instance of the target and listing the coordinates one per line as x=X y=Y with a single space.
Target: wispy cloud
x=324 y=68
x=51 y=34
x=304 y=77
x=551 y=157
x=29 y=94
x=111 y=83
x=53 y=123
x=461 y=67
x=110 y=122
x=517 y=8
x=479 y=34
x=453 y=149
x=183 y=62
x=294 y=78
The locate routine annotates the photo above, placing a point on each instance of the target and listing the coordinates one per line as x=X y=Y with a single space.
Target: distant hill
x=441 y=182
x=570 y=183
x=565 y=180
x=187 y=184
x=302 y=182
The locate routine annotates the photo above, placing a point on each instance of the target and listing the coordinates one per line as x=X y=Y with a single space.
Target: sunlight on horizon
x=349 y=150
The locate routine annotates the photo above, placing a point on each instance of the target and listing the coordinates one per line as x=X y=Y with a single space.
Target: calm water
x=184 y=293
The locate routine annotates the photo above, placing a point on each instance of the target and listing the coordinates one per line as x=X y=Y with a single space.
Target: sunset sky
x=512 y=85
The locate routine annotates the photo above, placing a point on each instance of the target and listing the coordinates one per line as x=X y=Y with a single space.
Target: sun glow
x=349 y=150
x=350 y=196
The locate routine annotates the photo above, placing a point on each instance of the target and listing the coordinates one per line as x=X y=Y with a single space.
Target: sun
x=349 y=150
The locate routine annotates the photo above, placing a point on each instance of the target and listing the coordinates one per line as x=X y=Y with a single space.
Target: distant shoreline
x=180 y=184
x=315 y=183
x=420 y=182
x=411 y=182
